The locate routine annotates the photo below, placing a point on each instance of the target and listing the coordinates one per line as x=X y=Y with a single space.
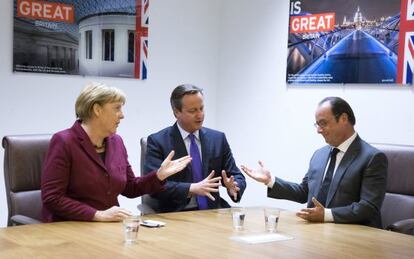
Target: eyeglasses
x=321 y=124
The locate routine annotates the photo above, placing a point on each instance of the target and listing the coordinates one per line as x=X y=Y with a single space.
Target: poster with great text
x=81 y=37
x=350 y=41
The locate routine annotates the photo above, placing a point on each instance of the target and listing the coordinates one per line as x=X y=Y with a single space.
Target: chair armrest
x=23 y=220
x=405 y=226
x=145 y=209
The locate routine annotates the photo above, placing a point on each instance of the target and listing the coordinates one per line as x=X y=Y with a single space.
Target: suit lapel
x=111 y=147
x=205 y=148
x=320 y=170
x=346 y=161
x=178 y=143
x=206 y=151
x=86 y=144
x=178 y=146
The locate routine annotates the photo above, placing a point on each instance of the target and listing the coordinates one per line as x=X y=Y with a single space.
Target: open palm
x=170 y=167
x=261 y=174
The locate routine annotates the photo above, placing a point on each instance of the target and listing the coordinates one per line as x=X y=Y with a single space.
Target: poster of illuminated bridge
x=350 y=41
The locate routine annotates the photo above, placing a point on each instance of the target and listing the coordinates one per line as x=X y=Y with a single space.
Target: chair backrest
x=143 y=143
x=399 y=198
x=23 y=163
x=149 y=204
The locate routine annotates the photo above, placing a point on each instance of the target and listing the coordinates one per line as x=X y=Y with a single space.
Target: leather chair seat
x=398 y=207
x=23 y=163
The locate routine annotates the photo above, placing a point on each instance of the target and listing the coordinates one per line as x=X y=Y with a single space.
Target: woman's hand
x=170 y=167
x=114 y=213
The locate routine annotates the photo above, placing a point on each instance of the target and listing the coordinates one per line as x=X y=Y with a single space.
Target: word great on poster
x=94 y=37
x=342 y=41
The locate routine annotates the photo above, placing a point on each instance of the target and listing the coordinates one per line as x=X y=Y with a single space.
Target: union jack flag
x=410 y=10
x=141 y=39
x=406 y=43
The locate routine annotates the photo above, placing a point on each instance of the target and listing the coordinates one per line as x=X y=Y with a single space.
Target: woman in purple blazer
x=86 y=166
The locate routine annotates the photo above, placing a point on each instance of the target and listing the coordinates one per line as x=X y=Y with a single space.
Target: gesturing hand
x=206 y=186
x=170 y=167
x=262 y=175
x=230 y=184
x=114 y=213
x=316 y=214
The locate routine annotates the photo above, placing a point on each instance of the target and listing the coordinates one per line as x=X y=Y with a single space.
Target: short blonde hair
x=96 y=93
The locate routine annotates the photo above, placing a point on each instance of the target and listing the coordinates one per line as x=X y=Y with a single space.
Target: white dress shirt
x=187 y=142
x=342 y=149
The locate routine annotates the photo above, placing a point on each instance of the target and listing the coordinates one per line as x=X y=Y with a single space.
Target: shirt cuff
x=271 y=183
x=328 y=215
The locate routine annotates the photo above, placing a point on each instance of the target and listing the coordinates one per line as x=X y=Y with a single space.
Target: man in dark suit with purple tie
x=213 y=165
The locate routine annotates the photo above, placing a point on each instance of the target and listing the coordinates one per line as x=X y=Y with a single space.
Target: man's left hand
x=316 y=214
x=230 y=184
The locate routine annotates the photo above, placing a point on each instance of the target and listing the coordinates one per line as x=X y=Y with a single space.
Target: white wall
x=264 y=119
x=182 y=49
x=236 y=50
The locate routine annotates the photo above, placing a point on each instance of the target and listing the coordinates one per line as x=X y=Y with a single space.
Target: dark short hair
x=179 y=92
x=338 y=107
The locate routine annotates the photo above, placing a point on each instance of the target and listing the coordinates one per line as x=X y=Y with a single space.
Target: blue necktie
x=323 y=192
x=197 y=170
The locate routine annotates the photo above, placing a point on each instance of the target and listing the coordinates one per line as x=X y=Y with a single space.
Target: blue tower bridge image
x=357 y=51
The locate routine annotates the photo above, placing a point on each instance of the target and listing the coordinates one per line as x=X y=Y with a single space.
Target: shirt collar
x=184 y=133
x=345 y=145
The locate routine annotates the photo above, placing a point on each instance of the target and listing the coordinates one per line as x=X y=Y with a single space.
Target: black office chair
x=398 y=208
x=23 y=163
x=148 y=204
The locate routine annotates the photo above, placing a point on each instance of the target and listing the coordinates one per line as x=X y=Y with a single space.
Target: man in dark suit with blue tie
x=213 y=165
x=346 y=179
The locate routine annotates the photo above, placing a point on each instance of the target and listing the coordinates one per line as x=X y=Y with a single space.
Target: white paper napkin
x=261 y=238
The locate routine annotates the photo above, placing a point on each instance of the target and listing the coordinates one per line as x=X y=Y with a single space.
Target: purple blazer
x=76 y=182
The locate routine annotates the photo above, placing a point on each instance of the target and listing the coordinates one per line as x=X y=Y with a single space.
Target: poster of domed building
x=81 y=37
x=350 y=41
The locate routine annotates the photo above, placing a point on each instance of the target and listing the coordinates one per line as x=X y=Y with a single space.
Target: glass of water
x=271 y=219
x=131 y=227
x=238 y=214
